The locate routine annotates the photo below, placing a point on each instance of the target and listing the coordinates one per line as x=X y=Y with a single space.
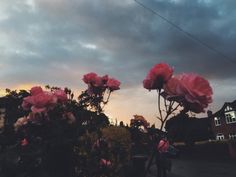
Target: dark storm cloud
x=57 y=41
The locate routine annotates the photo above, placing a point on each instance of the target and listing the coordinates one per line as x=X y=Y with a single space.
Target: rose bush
x=47 y=138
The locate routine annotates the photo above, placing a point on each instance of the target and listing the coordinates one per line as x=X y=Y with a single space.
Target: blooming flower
x=113 y=84
x=192 y=90
x=104 y=79
x=92 y=79
x=163 y=146
x=27 y=103
x=60 y=95
x=104 y=162
x=157 y=76
x=40 y=100
x=24 y=142
x=36 y=90
x=197 y=90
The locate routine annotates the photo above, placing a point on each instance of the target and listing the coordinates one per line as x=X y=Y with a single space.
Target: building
x=182 y=128
x=224 y=121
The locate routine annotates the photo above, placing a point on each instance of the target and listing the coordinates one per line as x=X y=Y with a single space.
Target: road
x=200 y=168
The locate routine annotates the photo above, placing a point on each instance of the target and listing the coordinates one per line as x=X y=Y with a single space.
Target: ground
x=183 y=167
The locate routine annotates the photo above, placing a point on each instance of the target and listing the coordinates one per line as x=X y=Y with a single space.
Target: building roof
x=222 y=110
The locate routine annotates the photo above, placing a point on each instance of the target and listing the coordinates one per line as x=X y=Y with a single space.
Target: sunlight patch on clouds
x=205 y=1
x=31 y=5
x=3 y=16
x=25 y=53
x=176 y=1
x=89 y=46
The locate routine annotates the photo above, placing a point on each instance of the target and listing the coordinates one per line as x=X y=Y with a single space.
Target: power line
x=189 y=35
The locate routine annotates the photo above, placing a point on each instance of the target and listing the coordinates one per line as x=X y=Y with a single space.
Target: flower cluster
x=94 y=97
x=98 y=84
x=41 y=101
x=53 y=130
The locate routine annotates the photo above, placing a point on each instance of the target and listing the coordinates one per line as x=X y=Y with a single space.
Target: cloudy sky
x=57 y=41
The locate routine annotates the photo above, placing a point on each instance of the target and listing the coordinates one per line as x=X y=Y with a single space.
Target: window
x=230 y=117
x=228 y=108
x=220 y=136
x=232 y=136
x=217 y=121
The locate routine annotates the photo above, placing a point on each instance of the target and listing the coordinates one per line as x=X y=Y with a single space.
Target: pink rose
x=104 y=79
x=27 y=102
x=36 y=90
x=148 y=84
x=104 y=162
x=92 y=79
x=36 y=109
x=89 y=77
x=60 y=95
x=192 y=90
x=24 y=142
x=197 y=91
x=113 y=84
x=42 y=101
x=163 y=146
x=157 y=76
x=173 y=89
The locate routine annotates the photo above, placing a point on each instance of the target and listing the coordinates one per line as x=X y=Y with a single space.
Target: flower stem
x=105 y=102
x=159 y=108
